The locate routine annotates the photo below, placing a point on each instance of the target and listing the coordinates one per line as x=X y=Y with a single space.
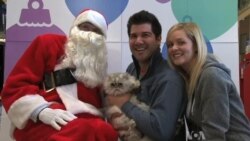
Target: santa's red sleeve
x=21 y=93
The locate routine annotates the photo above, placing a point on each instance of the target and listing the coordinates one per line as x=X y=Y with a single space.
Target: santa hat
x=93 y=17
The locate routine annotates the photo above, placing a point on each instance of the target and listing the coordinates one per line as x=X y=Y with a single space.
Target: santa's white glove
x=55 y=117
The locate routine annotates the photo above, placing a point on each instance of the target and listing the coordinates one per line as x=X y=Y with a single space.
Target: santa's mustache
x=86 y=38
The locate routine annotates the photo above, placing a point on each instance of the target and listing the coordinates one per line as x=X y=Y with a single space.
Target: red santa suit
x=22 y=94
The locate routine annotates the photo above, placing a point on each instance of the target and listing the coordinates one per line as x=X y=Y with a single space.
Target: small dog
x=118 y=84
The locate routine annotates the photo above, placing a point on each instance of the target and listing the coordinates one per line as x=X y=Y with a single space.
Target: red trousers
x=85 y=128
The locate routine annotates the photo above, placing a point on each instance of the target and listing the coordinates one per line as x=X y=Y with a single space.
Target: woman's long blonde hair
x=194 y=33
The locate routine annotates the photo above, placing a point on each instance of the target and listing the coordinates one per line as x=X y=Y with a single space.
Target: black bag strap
x=180 y=133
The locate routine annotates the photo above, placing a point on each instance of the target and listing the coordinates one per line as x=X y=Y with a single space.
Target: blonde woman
x=214 y=105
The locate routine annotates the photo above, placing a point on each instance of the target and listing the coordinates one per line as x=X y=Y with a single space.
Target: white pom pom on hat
x=93 y=17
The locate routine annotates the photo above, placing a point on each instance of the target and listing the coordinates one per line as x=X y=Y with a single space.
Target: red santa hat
x=93 y=17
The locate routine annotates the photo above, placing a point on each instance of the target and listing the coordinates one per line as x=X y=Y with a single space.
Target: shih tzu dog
x=118 y=84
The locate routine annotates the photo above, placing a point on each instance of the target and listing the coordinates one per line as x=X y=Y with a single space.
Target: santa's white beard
x=87 y=53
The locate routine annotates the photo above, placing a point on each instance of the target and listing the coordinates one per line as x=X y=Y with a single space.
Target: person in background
x=53 y=92
x=162 y=88
x=214 y=105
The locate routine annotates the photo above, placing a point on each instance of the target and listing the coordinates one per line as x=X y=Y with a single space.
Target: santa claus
x=53 y=92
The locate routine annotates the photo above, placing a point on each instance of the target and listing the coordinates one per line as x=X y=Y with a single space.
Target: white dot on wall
x=35 y=5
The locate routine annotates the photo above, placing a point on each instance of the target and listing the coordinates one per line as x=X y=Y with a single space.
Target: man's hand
x=118 y=121
x=55 y=117
x=118 y=100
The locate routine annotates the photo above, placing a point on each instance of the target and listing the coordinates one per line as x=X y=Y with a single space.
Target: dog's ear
x=106 y=82
x=137 y=84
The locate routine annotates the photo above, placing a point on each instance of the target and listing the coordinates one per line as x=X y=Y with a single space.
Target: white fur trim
x=68 y=94
x=93 y=17
x=21 y=109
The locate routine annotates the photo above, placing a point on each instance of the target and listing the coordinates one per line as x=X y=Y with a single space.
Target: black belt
x=57 y=78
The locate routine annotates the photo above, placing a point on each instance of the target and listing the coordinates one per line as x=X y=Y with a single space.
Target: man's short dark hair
x=142 y=17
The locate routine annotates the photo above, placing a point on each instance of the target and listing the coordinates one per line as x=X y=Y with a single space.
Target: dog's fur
x=118 y=84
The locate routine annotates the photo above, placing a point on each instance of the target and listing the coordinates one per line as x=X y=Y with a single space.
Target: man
x=161 y=88
x=53 y=91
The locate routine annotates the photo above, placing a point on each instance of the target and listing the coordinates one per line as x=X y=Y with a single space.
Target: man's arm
x=159 y=122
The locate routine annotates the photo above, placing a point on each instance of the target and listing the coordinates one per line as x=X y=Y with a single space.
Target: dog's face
x=120 y=83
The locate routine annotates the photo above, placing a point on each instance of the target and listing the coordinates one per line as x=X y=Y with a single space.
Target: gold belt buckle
x=53 y=84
